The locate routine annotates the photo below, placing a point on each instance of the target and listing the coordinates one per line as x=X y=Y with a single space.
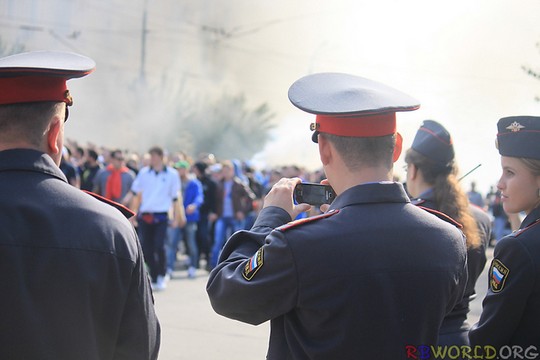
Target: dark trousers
x=203 y=236
x=153 y=243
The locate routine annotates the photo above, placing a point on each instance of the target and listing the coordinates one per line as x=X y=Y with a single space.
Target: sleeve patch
x=497 y=275
x=253 y=265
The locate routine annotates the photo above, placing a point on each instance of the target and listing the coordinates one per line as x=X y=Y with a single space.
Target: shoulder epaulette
x=307 y=220
x=521 y=231
x=417 y=202
x=124 y=210
x=442 y=216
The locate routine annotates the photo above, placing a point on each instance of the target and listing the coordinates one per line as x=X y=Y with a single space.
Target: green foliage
x=10 y=49
x=534 y=73
x=228 y=128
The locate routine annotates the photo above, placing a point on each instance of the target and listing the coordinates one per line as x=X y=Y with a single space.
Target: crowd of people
x=218 y=197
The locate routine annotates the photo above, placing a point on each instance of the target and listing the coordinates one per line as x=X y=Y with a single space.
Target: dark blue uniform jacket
x=511 y=308
x=363 y=281
x=456 y=320
x=73 y=280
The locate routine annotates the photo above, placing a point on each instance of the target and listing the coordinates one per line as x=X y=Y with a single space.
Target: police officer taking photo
x=72 y=272
x=370 y=277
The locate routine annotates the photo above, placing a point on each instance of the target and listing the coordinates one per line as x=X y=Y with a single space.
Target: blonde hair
x=532 y=164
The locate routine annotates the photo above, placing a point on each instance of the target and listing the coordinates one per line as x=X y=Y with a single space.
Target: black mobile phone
x=313 y=194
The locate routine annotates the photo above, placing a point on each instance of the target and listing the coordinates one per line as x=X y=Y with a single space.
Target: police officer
x=511 y=308
x=72 y=272
x=370 y=278
x=432 y=182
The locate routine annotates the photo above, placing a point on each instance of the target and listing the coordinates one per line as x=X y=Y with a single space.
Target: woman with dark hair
x=511 y=309
x=432 y=183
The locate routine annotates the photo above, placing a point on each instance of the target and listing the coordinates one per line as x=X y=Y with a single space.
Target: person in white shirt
x=157 y=191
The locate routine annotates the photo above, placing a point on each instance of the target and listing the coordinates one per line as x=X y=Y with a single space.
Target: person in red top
x=114 y=181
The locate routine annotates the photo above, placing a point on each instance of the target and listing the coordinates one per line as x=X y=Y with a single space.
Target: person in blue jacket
x=192 y=193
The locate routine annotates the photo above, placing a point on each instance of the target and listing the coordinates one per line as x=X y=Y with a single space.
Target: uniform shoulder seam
x=298 y=222
x=442 y=216
x=521 y=231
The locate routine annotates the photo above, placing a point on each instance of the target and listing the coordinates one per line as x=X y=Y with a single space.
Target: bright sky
x=462 y=59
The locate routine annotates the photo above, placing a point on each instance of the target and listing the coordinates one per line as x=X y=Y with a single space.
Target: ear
x=397 y=147
x=54 y=134
x=325 y=150
x=412 y=172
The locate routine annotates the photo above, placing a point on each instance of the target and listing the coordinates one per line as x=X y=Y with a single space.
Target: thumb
x=324 y=207
x=300 y=208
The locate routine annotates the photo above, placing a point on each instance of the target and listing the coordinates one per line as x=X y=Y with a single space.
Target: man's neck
x=4 y=145
x=365 y=175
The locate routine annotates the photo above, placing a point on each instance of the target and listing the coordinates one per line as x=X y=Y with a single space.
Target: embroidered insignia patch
x=253 y=265
x=498 y=274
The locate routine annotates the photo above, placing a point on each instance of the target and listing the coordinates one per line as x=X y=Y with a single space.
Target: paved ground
x=191 y=329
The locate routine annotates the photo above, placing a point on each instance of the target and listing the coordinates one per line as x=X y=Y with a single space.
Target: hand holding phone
x=313 y=194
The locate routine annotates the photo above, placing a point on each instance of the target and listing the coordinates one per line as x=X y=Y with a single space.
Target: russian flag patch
x=498 y=274
x=253 y=265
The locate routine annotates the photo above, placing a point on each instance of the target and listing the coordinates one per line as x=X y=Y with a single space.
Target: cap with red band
x=348 y=105
x=40 y=76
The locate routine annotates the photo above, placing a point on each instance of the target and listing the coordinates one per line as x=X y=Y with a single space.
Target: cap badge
x=314 y=126
x=69 y=99
x=515 y=127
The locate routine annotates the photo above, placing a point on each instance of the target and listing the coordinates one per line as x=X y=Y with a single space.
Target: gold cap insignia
x=515 y=127
x=313 y=126
x=69 y=99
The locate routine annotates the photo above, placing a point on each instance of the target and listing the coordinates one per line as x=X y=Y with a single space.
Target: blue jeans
x=225 y=226
x=188 y=233
x=203 y=237
x=190 y=236
x=174 y=235
x=500 y=229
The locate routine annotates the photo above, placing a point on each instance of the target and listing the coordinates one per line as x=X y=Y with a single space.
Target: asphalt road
x=192 y=330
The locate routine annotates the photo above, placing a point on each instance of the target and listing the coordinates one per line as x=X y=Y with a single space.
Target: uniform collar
x=382 y=192
x=426 y=196
x=531 y=218
x=29 y=160
x=163 y=170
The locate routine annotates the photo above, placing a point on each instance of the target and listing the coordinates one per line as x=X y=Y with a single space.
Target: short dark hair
x=79 y=150
x=93 y=154
x=156 y=150
x=358 y=152
x=115 y=152
x=27 y=121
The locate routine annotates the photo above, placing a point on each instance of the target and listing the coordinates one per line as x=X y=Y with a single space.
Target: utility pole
x=142 y=74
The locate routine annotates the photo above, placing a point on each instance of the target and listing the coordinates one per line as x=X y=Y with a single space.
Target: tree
x=6 y=50
x=533 y=73
x=228 y=128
